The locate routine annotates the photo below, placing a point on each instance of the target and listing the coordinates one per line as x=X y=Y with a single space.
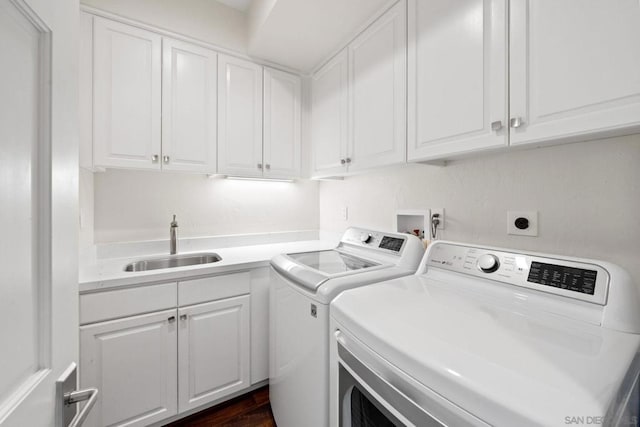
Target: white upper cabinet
x=189 y=85
x=239 y=117
x=378 y=92
x=214 y=350
x=574 y=68
x=151 y=101
x=329 y=112
x=358 y=112
x=126 y=83
x=566 y=81
x=457 y=98
x=281 y=153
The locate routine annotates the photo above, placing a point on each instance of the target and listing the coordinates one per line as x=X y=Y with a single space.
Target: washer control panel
x=386 y=242
x=560 y=276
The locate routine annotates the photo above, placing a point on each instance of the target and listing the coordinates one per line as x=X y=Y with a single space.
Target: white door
x=574 y=68
x=457 y=77
x=85 y=90
x=239 y=117
x=329 y=129
x=214 y=350
x=133 y=362
x=378 y=92
x=38 y=206
x=282 y=93
x=189 y=87
x=126 y=85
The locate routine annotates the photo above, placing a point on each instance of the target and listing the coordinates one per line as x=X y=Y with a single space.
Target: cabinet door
x=239 y=117
x=377 y=92
x=260 y=282
x=574 y=68
x=126 y=83
x=329 y=129
x=189 y=86
x=282 y=93
x=457 y=77
x=133 y=362
x=214 y=351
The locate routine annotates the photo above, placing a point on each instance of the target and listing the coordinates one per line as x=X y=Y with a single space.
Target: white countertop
x=109 y=273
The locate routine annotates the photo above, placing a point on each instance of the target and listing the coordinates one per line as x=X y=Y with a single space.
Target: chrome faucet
x=173 y=237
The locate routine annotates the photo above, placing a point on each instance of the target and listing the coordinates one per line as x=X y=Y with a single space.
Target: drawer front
x=99 y=306
x=213 y=288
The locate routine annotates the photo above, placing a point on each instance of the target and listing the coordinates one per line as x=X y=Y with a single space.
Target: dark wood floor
x=249 y=410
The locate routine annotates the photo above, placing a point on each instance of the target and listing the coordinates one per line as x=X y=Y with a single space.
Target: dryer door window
x=365 y=413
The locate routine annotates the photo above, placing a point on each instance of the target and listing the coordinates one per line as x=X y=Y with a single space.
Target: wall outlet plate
x=344 y=213
x=522 y=223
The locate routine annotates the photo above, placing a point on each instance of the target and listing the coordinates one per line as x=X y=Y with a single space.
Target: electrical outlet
x=440 y=212
x=344 y=213
x=522 y=223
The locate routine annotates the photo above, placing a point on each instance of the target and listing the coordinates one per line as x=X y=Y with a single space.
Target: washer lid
x=331 y=261
x=312 y=269
x=491 y=354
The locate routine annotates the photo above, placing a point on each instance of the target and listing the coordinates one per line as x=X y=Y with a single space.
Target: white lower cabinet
x=260 y=283
x=193 y=348
x=213 y=350
x=133 y=363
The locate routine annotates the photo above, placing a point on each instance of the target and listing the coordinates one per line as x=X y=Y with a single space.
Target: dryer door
x=372 y=391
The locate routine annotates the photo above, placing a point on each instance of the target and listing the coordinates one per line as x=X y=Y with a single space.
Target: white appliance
x=302 y=286
x=484 y=336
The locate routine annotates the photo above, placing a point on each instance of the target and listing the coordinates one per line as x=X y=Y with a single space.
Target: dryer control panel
x=561 y=276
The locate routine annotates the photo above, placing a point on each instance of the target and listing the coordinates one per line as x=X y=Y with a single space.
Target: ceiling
x=302 y=33
x=241 y=5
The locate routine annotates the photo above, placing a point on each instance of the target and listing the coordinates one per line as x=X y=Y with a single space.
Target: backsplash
x=587 y=196
x=138 y=206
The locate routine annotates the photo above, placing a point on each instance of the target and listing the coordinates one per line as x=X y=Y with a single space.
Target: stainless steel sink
x=172 y=261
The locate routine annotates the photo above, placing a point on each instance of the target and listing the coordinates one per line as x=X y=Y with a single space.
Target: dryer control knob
x=366 y=238
x=488 y=263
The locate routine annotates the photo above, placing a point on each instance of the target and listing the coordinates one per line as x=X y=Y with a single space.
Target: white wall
x=132 y=205
x=206 y=20
x=587 y=195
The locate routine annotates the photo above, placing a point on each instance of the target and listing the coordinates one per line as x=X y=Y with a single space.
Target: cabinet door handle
x=496 y=126
x=171 y=319
x=154 y=158
x=343 y=161
x=348 y=159
x=267 y=166
x=183 y=317
x=166 y=159
x=259 y=165
x=516 y=122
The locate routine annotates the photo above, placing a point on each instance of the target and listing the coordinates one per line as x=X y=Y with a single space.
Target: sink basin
x=172 y=261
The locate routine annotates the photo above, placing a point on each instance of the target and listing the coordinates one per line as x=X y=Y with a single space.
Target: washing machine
x=302 y=286
x=486 y=336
